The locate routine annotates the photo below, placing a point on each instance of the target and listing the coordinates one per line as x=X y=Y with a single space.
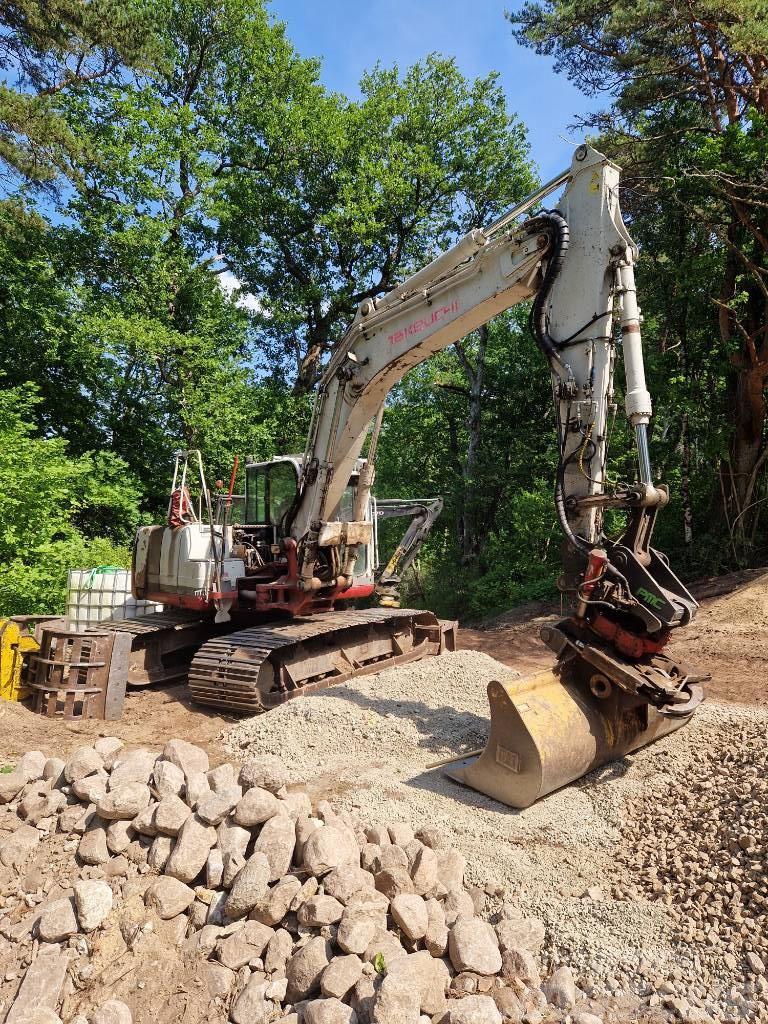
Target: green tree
x=56 y=512
x=361 y=194
x=689 y=124
x=58 y=47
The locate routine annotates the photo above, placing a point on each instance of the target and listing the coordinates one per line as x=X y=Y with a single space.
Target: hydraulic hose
x=556 y=226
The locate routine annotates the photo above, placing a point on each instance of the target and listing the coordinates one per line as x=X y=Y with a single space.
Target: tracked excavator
x=302 y=546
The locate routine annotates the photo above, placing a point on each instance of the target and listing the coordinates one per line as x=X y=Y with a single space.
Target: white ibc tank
x=94 y=595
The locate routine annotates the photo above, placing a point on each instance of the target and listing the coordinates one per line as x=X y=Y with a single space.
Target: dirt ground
x=729 y=639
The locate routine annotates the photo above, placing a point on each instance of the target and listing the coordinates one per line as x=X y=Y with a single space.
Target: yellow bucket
x=14 y=644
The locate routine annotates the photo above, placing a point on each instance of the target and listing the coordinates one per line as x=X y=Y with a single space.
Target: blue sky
x=351 y=36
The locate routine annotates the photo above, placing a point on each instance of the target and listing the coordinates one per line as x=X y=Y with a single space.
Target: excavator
x=282 y=573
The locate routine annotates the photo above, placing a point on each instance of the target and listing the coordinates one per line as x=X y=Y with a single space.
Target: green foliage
x=361 y=194
x=688 y=123
x=47 y=496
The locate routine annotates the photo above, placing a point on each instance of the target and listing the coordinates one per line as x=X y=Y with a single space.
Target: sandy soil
x=729 y=639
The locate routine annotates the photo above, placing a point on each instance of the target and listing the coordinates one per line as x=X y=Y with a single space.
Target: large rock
x=93 y=903
x=436 y=935
x=329 y=848
x=138 y=766
x=108 y=747
x=344 y=883
x=319 y=911
x=214 y=869
x=215 y=807
x=560 y=989
x=32 y=765
x=114 y=1011
x=11 y=785
x=520 y=965
x=521 y=933
x=278 y=952
x=356 y=930
x=186 y=756
x=238 y=949
x=450 y=867
x=266 y=771
x=424 y=872
x=430 y=978
x=393 y=881
x=473 y=1010
x=171 y=813
x=144 y=822
x=159 y=852
x=167 y=779
x=190 y=853
x=255 y=807
x=84 y=761
x=53 y=770
x=397 y=1001
x=120 y=834
x=58 y=921
x=305 y=968
x=384 y=944
x=341 y=975
x=92 y=787
x=364 y=996
x=218 y=980
x=92 y=848
x=458 y=903
x=17 y=846
x=169 y=897
x=305 y=826
x=272 y=907
x=197 y=788
x=124 y=801
x=248 y=887
x=473 y=946
x=232 y=839
x=276 y=841
x=328 y=1011
x=251 y=1005
x=222 y=777
x=410 y=914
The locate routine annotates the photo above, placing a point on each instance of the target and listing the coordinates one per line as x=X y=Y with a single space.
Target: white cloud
x=229 y=284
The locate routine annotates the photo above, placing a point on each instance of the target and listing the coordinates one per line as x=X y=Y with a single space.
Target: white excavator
x=278 y=572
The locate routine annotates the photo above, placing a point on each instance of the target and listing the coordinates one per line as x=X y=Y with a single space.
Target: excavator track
x=253 y=670
x=162 y=644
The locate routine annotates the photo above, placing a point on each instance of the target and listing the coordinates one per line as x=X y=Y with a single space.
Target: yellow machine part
x=548 y=730
x=14 y=644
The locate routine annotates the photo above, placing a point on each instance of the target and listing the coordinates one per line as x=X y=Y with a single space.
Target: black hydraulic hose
x=556 y=226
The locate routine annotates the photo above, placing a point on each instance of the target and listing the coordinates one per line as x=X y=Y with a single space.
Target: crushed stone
x=368 y=745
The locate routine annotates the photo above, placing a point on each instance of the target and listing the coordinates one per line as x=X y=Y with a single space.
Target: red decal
x=423 y=323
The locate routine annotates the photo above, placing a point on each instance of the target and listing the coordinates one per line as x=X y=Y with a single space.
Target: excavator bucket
x=548 y=730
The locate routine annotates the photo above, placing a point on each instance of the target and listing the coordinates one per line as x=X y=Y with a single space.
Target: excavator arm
x=422 y=515
x=612 y=688
x=577 y=265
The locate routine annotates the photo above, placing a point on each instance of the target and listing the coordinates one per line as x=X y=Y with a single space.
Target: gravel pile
x=571 y=860
x=285 y=911
x=700 y=849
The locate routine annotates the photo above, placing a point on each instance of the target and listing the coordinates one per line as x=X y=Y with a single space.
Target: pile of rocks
x=701 y=849
x=294 y=912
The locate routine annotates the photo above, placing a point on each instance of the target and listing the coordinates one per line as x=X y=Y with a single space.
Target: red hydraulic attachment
x=596 y=563
x=627 y=643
